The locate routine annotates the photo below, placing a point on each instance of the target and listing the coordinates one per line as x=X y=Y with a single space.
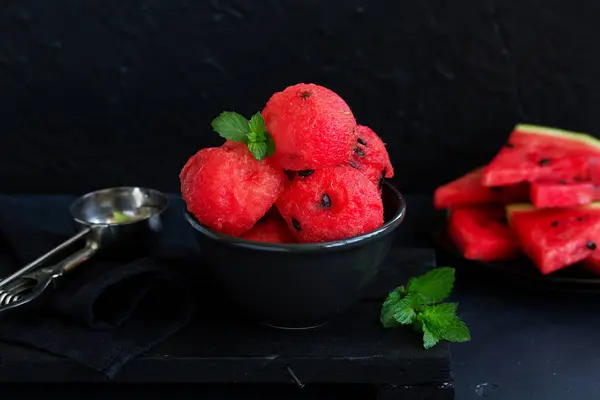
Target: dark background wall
x=97 y=93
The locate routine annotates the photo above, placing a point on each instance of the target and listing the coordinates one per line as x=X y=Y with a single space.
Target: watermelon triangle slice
x=592 y=263
x=563 y=194
x=468 y=190
x=535 y=153
x=481 y=233
x=556 y=238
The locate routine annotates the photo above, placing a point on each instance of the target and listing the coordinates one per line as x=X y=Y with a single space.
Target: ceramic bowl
x=299 y=286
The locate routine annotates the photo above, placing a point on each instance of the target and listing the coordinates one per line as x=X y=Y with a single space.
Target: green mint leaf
x=429 y=338
x=416 y=306
x=443 y=323
x=404 y=312
x=456 y=331
x=432 y=287
x=231 y=126
x=257 y=123
x=257 y=137
x=270 y=144
x=258 y=149
x=387 y=310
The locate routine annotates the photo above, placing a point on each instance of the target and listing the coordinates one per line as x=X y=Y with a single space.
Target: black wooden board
x=221 y=347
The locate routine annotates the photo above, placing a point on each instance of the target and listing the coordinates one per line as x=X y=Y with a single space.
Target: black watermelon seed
x=502 y=220
x=509 y=145
x=352 y=164
x=544 y=161
x=580 y=219
x=359 y=152
x=296 y=224
x=305 y=94
x=290 y=174
x=496 y=189
x=305 y=173
x=562 y=182
x=326 y=201
x=591 y=245
x=359 y=140
x=554 y=223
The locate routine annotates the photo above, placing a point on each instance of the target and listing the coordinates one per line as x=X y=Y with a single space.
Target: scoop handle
x=35 y=263
x=77 y=258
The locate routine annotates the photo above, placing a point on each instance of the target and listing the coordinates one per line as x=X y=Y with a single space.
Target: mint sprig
x=420 y=305
x=235 y=127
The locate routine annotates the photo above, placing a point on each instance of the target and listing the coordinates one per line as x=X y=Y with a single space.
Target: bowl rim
x=386 y=229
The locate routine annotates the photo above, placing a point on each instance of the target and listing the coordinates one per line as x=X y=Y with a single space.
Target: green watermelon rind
x=521 y=207
x=559 y=134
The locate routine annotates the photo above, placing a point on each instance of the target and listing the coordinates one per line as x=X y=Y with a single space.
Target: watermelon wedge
x=555 y=238
x=562 y=194
x=592 y=263
x=481 y=233
x=468 y=190
x=535 y=153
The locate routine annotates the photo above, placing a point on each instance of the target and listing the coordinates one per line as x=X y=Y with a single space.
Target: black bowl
x=298 y=286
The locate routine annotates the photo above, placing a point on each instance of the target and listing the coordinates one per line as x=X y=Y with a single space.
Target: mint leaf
x=429 y=338
x=258 y=149
x=260 y=142
x=389 y=305
x=398 y=309
x=257 y=123
x=419 y=307
x=441 y=320
x=270 y=144
x=456 y=331
x=231 y=126
x=434 y=286
x=404 y=312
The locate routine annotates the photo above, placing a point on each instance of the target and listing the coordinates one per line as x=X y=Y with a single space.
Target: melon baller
x=109 y=220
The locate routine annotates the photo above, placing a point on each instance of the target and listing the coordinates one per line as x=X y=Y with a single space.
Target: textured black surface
x=98 y=93
x=527 y=343
x=221 y=346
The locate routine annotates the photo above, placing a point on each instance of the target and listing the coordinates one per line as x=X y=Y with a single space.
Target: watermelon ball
x=272 y=228
x=331 y=203
x=312 y=127
x=227 y=189
x=370 y=156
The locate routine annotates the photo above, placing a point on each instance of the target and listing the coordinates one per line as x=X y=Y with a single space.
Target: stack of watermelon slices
x=538 y=196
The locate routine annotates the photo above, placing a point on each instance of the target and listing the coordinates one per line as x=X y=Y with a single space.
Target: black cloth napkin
x=104 y=312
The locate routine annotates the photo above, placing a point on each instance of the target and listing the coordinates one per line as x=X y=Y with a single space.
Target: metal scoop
x=113 y=219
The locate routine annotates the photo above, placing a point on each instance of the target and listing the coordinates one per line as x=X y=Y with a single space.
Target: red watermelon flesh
x=271 y=228
x=592 y=263
x=468 y=190
x=481 y=233
x=227 y=189
x=535 y=153
x=562 y=194
x=331 y=203
x=555 y=238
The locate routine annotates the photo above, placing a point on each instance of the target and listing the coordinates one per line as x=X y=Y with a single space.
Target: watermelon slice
x=592 y=263
x=548 y=194
x=481 y=233
x=535 y=153
x=468 y=190
x=555 y=238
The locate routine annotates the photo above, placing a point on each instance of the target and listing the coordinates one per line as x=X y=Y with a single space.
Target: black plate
x=574 y=278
